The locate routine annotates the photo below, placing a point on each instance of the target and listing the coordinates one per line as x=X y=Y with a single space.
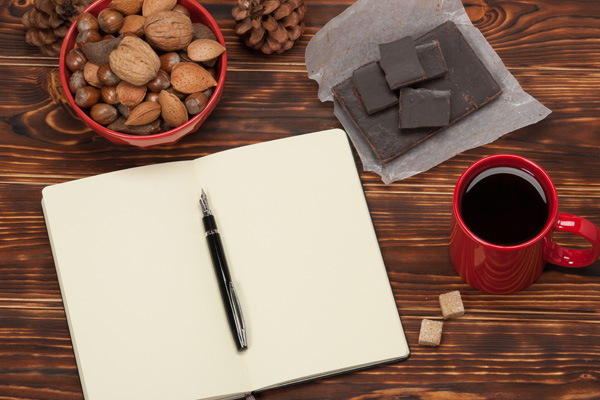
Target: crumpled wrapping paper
x=351 y=40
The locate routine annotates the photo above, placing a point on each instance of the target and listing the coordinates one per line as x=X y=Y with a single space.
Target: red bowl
x=197 y=14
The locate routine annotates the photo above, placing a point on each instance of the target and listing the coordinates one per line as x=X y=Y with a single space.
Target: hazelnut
x=86 y=21
x=89 y=36
x=161 y=82
x=87 y=96
x=77 y=81
x=152 y=96
x=103 y=113
x=107 y=76
x=110 y=21
x=169 y=60
x=109 y=95
x=196 y=102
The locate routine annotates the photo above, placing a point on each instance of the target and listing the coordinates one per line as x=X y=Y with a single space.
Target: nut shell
x=173 y=111
x=204 y=50
x=168 y=30
x=133 y=24
x=144 y=113
x=134 y=61
x=152 y=6
x=127 y=7
x=188 y=77
x=130 y=95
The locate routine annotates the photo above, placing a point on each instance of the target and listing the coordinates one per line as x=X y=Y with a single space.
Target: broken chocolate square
x=424 y=108
x=432 y=59
x=470 y=82
x=372 y=88
x=400 y=62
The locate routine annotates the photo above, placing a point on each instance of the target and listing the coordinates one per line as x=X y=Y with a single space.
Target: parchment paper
x=351 y=39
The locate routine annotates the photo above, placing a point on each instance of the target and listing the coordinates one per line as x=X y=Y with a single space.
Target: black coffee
x=504 y=206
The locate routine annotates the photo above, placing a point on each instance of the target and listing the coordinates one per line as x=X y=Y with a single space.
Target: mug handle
x=575 y=258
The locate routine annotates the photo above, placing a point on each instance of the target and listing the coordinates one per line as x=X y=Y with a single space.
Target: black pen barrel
x=221 y=270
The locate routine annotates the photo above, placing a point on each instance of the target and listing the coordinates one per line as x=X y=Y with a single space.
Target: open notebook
x=140 y=292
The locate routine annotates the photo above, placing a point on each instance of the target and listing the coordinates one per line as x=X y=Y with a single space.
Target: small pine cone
x=271 y=26
x=48 y=21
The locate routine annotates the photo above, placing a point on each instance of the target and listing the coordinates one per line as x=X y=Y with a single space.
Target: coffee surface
x=504 y=206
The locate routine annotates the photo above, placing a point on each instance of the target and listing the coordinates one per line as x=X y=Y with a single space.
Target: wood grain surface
x=540 y=343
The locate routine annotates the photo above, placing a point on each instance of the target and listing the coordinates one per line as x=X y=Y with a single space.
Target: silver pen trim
x=238 y=316
x=204 y=203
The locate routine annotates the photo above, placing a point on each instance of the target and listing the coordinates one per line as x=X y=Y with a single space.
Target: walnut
x=134 y=61
x=169 y=30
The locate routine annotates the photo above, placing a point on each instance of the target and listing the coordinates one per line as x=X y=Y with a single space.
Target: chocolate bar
x=372 y=87
x=400 y=62
x=381 y=129
x=470 y=83
x=424 y=108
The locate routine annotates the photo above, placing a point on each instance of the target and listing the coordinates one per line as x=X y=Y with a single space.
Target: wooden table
x=542 y=343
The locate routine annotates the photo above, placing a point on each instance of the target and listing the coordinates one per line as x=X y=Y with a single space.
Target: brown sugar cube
x=451 y=305
x=431 y=333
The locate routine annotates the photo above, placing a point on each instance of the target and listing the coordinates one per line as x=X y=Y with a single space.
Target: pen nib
x=204 y=202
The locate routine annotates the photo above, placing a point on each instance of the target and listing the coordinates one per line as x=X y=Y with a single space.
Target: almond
x=204 y=50
x=133 y=24
x=173 y=111
x=151 y=6
x=130 y=95
x=144 y=113
x=126 y=7
x=188 y=77
x=90 y=73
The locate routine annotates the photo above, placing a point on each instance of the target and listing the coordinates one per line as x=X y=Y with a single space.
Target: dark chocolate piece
x=373 y=89
x=400 y=62
x=470 y=82
x=431 y=59
x=424 y=108
x=381 y=129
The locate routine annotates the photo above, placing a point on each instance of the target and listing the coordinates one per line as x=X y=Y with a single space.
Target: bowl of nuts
x=143 y=72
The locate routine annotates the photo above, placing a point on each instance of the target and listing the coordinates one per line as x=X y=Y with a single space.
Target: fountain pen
x=228 y=293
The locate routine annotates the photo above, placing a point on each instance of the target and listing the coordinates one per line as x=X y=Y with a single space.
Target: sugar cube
x=431 y=332
x=451 y=304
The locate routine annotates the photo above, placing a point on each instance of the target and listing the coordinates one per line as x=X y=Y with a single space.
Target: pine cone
x=271 y=26
x=48 y=21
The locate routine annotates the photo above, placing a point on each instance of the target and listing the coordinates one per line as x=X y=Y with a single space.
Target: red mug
x=497 y=266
